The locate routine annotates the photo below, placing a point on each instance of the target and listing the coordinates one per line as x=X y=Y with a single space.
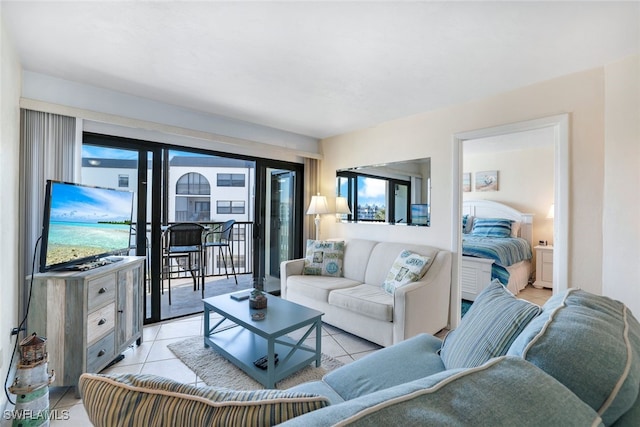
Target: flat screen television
x=83 y=224
x=419 y=214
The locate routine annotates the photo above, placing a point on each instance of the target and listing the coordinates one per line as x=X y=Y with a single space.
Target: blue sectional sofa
x=573 y=362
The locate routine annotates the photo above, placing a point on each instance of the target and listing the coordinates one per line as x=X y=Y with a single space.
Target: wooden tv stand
x=88 y=317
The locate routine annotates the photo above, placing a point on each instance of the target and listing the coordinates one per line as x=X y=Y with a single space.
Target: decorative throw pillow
x=492 y=323
x=407 y=267
x=324 y=258
x=515 y=228
x=491 y=227
x=149 y=400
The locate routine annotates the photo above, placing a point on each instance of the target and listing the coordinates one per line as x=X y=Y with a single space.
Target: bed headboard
x=489 y=209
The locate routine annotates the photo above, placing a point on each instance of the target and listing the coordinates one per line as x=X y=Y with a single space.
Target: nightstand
x=544 y=267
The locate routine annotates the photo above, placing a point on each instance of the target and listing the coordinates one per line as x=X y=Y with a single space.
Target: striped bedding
x=505 y=251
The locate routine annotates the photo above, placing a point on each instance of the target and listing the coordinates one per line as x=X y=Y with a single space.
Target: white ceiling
x=317 y=68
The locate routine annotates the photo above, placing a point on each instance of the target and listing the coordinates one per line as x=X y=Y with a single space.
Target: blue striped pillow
x=491 y=227
x=488 y=329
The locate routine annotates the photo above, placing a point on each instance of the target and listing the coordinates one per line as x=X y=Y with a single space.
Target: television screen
x=420 y=214
x=83 y=224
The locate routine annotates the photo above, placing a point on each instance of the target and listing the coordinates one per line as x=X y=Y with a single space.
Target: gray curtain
x=311 y=188
x=47 y=148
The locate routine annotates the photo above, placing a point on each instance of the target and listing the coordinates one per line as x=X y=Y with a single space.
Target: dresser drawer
x=100 y=323
x=101 y=353
x=100 y=291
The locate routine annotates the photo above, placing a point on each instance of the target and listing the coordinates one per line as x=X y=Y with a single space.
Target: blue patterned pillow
x=324 y=258
x=491 y=227
x=408 y=267
x=488 y=329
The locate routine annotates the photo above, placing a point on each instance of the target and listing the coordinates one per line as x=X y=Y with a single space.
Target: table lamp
x=342 y=208
x=318 y=206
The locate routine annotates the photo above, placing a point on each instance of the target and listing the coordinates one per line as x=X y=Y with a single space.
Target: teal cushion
x=324 y=258
x=492 y=323
x=506 y=391
x=589 y=343
x=491 y=227
x=405 y=361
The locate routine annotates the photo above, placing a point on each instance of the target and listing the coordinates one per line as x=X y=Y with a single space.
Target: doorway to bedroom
x=523 y=166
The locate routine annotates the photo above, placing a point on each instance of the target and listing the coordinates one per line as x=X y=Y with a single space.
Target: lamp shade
x=318 y=205
x=342 y=206
x=551 y=212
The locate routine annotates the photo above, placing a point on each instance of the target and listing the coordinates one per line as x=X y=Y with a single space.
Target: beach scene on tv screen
x=86 y=222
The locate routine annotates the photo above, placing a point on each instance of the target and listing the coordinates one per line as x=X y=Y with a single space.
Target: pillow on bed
x=467 y=223
x=491 y=227
x=515 y=228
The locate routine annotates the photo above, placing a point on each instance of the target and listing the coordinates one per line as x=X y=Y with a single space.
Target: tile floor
x=153 y=357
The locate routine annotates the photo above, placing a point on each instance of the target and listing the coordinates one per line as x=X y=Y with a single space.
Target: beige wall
x=10 y=83
x=621 y=215
x=525 y=183
x=430 y=135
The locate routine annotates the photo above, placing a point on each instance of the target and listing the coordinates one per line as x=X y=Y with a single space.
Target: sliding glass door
x=177 y=185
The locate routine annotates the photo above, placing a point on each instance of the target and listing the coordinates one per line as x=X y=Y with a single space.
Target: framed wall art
x=466 y=182
x=487 y=181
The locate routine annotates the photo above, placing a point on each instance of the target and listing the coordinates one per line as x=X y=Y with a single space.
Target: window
x=376 y=198
x=230 y=180
x=193 y=183
x=123 y=181
x=230 y=207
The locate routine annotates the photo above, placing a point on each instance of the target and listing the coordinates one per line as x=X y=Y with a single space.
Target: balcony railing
x=241 y=246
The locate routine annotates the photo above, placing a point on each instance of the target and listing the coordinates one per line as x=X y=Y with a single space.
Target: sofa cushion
x=383 y=256
x=370 y=301
x=504 y=391
x=148 y=400
x=414 y=358
x=356 y=258
x=317 y=287
x=324 y=258
x=488 y=329
x=408 y=267
x=589 y=343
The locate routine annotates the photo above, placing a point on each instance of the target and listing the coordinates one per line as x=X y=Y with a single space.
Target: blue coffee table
x=242 y=340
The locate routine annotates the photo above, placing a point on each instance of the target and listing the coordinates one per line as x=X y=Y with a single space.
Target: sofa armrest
x=423 y=306
x=292 y=267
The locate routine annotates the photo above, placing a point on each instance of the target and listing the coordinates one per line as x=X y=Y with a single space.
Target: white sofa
x=358 y=304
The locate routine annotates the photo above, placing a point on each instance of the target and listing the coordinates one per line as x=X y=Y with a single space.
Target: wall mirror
x=392 y=193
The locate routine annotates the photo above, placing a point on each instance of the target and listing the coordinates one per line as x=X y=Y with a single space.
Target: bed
x=494 y=249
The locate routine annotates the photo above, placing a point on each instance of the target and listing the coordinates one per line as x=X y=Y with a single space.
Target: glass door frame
x=260 y=224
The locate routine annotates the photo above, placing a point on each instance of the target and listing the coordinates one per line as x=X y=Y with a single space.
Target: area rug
x=216 y=371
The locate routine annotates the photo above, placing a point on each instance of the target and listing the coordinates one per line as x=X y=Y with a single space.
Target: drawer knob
x=101 y=353
x=102 y=321
x=102 y=290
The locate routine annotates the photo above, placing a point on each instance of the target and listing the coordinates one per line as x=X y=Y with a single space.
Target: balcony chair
x=182 y=243
x=221 y=239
